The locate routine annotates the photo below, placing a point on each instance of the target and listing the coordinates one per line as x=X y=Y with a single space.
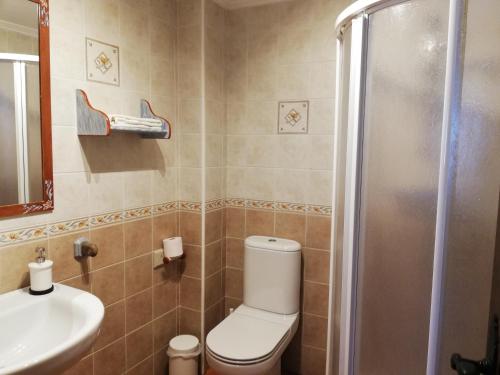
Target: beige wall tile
x=315 y=298
x=235 y=222
x=190 y=293
x=165 y=297
x=68 y=155
x=138 y=274
x=213 y=254
x=314 y=331
x=260 y=223
x=67 y=62
x=83 y=367
x=191 y=265
x=319 y=187
x=164 y=329
x=67 y=187
x=102 y=20
x=213 y=226
x=113 y=325
x=318 y=232
x=68 y=15
x=106 y=192
x=139 y=345
x=138 y=188
x=109 y=241
x=138 y=310
x=234 y=283
x=61 y=253
x=259 y=183
x=190 y=227
x=316 y=265
x=291 y=226
x=213 y=289
x=145 y=367
x=108 y=283
x=138 y=237
x=110 y=360
x=190 y=184
x=313 y=361
x=190 y=322
x=164 y=226
x=235 y=252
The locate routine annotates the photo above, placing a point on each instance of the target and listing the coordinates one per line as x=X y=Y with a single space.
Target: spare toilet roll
x=172 y=247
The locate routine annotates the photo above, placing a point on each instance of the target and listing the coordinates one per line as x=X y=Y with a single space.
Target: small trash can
x=183 y=352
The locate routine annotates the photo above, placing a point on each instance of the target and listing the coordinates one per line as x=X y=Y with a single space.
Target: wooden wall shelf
x=91 y=121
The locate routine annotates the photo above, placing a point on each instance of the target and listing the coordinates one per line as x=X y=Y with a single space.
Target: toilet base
x=276 y=370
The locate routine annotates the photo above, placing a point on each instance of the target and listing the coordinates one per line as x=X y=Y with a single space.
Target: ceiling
x=234 y=4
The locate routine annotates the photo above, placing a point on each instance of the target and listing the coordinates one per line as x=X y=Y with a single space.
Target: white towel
x=128 y=127
x=125 y=121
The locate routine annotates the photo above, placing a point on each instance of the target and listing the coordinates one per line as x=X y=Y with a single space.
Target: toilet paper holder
x=167 y=260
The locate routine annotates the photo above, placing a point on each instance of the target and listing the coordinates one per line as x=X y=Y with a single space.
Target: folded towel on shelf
x=130 y=121
x=142 y=128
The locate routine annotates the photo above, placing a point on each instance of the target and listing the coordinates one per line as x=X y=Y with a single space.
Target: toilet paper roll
x=172 y=247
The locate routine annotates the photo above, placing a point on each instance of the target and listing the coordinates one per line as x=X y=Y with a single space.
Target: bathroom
x=253 y=135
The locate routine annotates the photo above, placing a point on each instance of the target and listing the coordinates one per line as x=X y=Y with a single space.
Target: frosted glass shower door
x=399 y=172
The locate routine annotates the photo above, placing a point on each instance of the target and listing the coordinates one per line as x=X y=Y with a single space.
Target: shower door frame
x=357 y=16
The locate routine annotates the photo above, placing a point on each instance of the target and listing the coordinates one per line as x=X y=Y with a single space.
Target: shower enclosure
x=417 y=188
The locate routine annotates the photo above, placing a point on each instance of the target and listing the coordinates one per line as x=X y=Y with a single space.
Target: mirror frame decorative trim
x=47 y=204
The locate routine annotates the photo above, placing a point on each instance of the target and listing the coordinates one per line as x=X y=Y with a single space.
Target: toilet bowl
x=251 y=340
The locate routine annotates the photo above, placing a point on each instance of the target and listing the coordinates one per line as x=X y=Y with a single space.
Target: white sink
x=47 y=334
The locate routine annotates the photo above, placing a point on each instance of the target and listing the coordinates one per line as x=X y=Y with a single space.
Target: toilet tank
x=271 y=279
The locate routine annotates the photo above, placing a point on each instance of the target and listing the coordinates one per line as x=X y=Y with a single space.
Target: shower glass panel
x=473 y=214
x=405 y=74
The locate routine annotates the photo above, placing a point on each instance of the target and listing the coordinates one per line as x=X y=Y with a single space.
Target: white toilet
x=251 y=340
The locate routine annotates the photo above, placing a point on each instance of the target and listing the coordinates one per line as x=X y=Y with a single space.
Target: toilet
x=251 y=340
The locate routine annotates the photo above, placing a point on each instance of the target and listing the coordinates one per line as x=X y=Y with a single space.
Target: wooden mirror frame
x=47 y=204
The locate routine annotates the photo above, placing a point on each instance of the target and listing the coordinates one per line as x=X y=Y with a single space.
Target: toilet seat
x=249 y=336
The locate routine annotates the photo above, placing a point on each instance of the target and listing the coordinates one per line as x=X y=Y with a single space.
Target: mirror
x=25 y=137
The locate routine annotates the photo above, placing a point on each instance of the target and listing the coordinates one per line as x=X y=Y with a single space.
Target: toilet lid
x=245 y=338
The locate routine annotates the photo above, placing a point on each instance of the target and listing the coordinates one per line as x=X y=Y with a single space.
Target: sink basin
x=47 y=334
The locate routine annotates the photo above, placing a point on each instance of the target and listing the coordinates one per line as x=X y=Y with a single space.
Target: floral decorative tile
x=68 y=226
x=103 y=62
x=105 y=219
x=23 y=235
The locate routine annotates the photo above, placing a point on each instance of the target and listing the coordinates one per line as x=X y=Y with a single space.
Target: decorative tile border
x=215 y=204
x=291 y=207
x=165 y=208
x=279 y=206
x=55 y=229
x=260 y=205
x=23 y=235
x=137 y=213
x=106 y=219
x=16 y=236
x=235 y=202
x=190 y=206
x=319 y=210
x=68 y=226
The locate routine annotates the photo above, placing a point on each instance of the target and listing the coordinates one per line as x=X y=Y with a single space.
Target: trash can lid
x=184 y=344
